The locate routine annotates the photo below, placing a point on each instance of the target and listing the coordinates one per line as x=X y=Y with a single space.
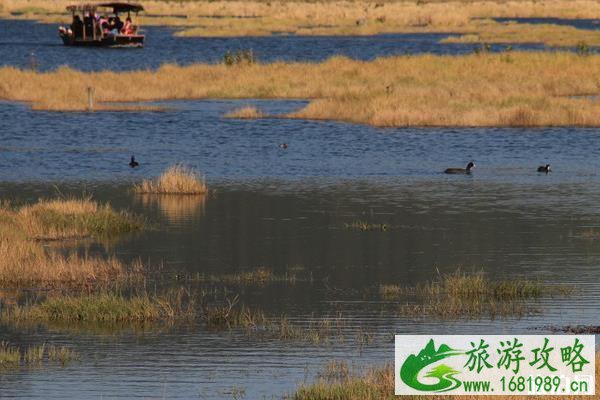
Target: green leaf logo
x=409 y=372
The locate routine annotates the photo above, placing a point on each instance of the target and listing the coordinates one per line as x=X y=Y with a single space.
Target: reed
x=104 y=308
x=61 y=354
x=472 y=295
x=73 y=218
x=247 y=112
x=177 y=179
x=377 y=383
x=259 y=276
x=10 y=357
x=329 y=17
x=509 y=89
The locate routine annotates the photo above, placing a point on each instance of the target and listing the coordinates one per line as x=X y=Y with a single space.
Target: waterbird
x=544 y=168
x=133 y=163
x=466 y=170
x=283 y=146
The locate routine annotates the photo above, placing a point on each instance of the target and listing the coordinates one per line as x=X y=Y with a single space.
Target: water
x=21 y=38
x=286 y=210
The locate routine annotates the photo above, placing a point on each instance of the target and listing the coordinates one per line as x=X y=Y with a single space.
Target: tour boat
x=87 y=28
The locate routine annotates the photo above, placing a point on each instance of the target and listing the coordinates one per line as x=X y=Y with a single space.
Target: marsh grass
x=247 y=112
x=338 y=382
x=69 y=218
x=61 y=354
x=366 y=226
x=258 y=277
x=177 y=179
x=472 y=295
x=105 y=308
x=34 y=355
x=10 y=356
x=516 y=89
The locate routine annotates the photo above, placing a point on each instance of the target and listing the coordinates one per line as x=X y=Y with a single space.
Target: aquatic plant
x=473 y=295
x=34 y=355
x=257 y=276
x=336 y=382
x=366 y=226
x=240 y=57
x=10 y=356
x=68 y=218
x=61 y=354
x=247 y=112
x=177 y=179
x=105 y=307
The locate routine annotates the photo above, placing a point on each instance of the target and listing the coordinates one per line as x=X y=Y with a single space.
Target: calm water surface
x=286 y=210
x=22 y=38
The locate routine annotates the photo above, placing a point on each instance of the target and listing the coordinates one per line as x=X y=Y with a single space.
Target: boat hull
x=109 y=41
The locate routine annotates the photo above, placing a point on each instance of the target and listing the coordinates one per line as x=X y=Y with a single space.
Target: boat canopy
x=116 y=7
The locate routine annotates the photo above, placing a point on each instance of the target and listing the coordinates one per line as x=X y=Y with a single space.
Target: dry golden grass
x=25 y=262
x=244 y=18
x=510 y=89
x=512 y=32
x=177 y=179
x=338 y=383
x=247 y=112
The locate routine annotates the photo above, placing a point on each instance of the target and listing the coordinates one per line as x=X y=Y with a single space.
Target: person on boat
x=118 y=24
x=77 y=27
x=128 y=29
x=88 y=24
x=112 y=27
x=104 y=27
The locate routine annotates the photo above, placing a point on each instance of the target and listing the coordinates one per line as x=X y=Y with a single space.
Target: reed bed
x=177 y=179
x=471 y=295
x=13 y=357
x=509 y=89
x=72 y=219
x=335 y=17
x=247 y=112
x=24 y=261
x=338 y=382
x=105 y=307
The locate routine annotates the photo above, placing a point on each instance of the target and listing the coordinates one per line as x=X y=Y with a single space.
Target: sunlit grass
x=486 y=89
x=247 y=112
x=12 y=357
x=471 y=295
x=177 y=179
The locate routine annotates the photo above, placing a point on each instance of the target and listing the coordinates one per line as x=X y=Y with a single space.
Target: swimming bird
x=133 y=163
x=544 y=168
x=466 y=170
x=283 y=146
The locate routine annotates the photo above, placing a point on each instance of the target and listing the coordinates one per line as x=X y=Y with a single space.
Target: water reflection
x=177 y=208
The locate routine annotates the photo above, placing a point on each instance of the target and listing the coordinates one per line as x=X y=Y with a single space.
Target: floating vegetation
x=105 y=308
x=473 y=295
x=390 y=292
x=11 y=356
x=177 y=179
x=366 y=226
x=259 y=276
x=247 y=112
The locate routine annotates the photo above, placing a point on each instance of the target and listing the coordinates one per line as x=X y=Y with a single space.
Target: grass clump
x=69 y=218
x=240 y=57
x=247 y=112
x=34 y=355
x=365 y=226
x=473 y=295
x=104 y=308
x=337 y=382
x=177 y=179
x=10 y=356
